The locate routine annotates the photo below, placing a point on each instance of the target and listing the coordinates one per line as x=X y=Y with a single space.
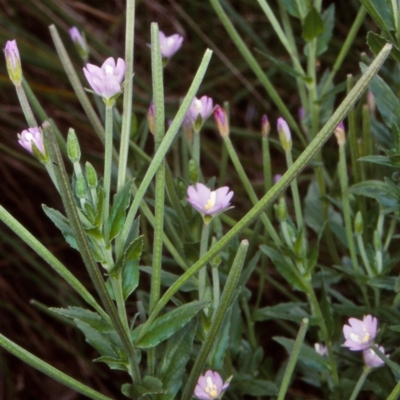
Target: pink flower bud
x=169 y=45
x=13 y=62
x=221 y=120
x=29 y=136
x=265 y=126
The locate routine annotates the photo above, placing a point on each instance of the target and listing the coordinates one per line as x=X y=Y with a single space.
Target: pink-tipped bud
x=284 y=134
x=277 y=178
x=151 y=119
x=221 y=120
x=265 y=126
x=13 y=62
x=340 y=134
x=371 y=102
x=80 y=42
x=33 y=137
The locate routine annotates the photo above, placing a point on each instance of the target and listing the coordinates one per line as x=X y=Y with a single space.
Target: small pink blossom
x=321 y=349
x=371 y=359
x=208 y=202
x=199 y=111
x=209 y=386
x=169 y=45
x=106 y=80
x=360 y=334
x=29 y=136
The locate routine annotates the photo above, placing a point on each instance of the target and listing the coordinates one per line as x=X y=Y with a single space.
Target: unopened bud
x=265 y=126
x=358 y=224
x=73 y=149
x=340 y=134
x=284 y=134
x=91 y=175
x=221 y=120
x=13 y=62
x=277 y=178
x=193 y=172
x=80 y=43
x=371 y=102
x=81 y=187
x=281 y=210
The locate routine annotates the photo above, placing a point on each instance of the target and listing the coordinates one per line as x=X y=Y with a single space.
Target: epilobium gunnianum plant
x=175 y=300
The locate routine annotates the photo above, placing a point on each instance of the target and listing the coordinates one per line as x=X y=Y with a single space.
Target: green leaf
x=165 y=326
x=134 y=250
x=313 y=25
x=149 y=385
x=61 y=222
x=389 y=161
x=376 y=42
x=174 y=359
x=384 y=282
x=328 y=17
x=117 y=214
x=382 y=13
x=114 y=363
x=130 y=277
x=377 y=190
x=90 y=318
x=286 y=270
x=387 y=102
x=254 y=387
x=288 y=311
x=308 y=355
x=294 y=8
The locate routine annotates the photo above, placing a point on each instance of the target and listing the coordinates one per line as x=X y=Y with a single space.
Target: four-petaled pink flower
x=209 y=202
x=360 y=334
x=371 y=359
x=169 y=45
x=199 y=111
x=106 y=81
x=209 y=386
x=13 y=62
x=29 y=136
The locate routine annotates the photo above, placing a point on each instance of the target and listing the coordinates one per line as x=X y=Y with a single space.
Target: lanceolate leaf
x=381 y=11
x=165 y=326
x=313 y=25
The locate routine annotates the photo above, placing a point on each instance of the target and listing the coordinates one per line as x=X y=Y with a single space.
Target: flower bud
x=32 y=137
x=13 y=62
x=265 y=126
x=340 y=134
x=81 y=187
x=284 y=134
x=358 y=224
x=80 y=43
x=91 y=175
x=73 y=149
x=281 y=210
x=193 y=172
x=221 y=120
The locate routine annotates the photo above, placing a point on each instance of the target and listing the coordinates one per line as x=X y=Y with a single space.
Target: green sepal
x=73 y=148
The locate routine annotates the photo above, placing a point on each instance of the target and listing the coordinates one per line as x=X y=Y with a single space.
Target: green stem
x=394 y=395
x=293 y=359
x=128 y=89
x=342 y=169
x=162 y=150
x=107 y=169
x=196 y=149
x=26 y=108
x=360 y=383
x=216 y=287
x=203 y=250
x=295 y=194
x=364 y=256
x=85 y=250
x=49 y=370
x=116 y=281
x=270 y=197
x=218 y=317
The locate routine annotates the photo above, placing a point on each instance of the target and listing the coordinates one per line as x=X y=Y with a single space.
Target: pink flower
x=169 y=45
x=209 y=386
x=13 y=62
x=321 y=349
x=106 y=81
x=208 y=202
x=199 y=111
x=360 y=334
x=29 y=136
x=371 y=359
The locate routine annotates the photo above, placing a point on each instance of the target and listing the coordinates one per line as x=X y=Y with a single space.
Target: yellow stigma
x=211 y=389
x=211 y=201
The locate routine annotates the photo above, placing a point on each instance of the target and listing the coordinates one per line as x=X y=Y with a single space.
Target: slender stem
x=216 y=287
x=270 y=197
x=364 y=256
x=360 y=383
x=107 y=168
x=196 y=149
x=390 y=233
x=162 y=150
x=394 y=395
x=26 y=108
x=293 y=359
x=116 y=281
x=203 y=250
x=295 y=194
x=342 y=170
x=49 y=370
x=128 y=89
